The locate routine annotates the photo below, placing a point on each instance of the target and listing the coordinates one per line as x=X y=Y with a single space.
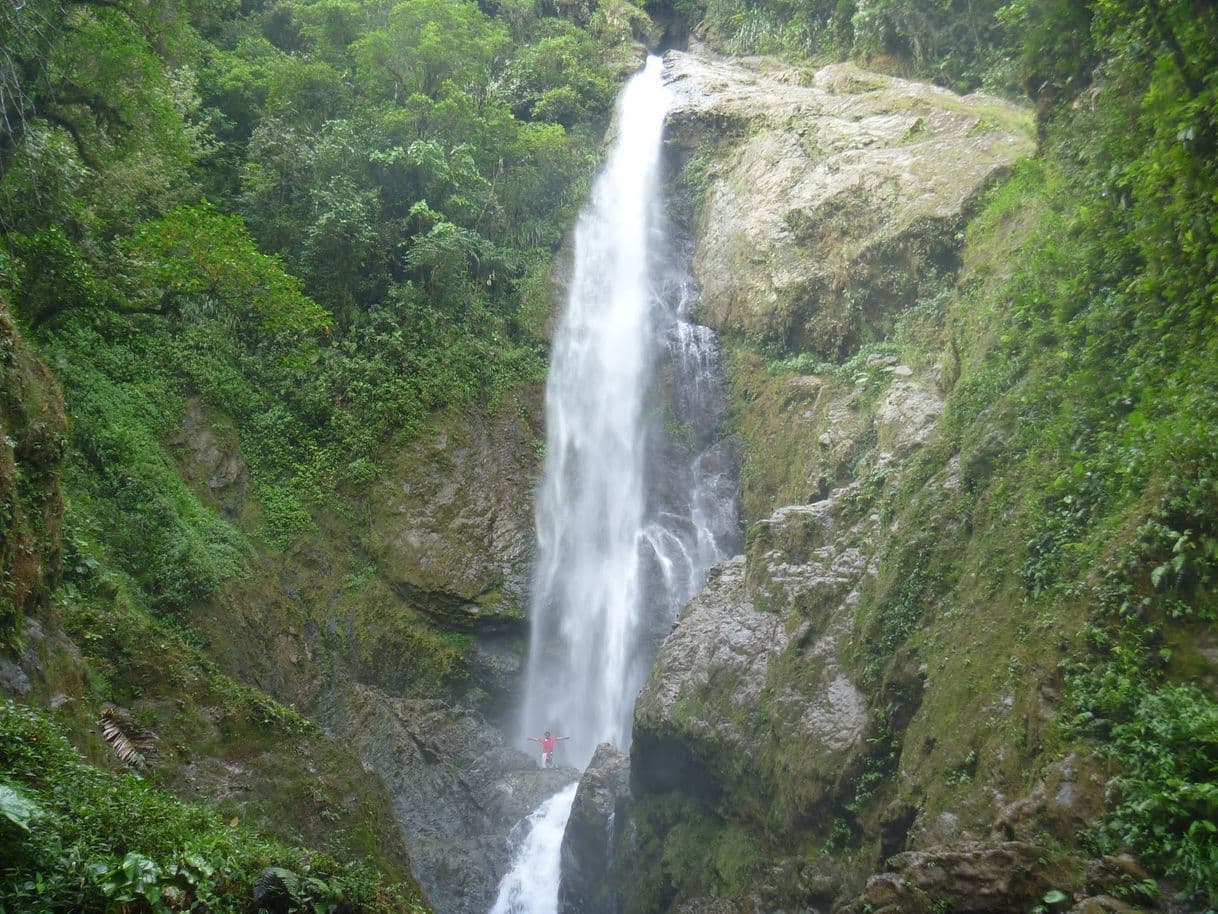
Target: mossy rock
x=32 y=427
x=839 y=204
x=450 y=523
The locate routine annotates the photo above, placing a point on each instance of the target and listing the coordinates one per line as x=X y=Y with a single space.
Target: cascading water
x=587 y=593
x=531 y=887
x=639 y=493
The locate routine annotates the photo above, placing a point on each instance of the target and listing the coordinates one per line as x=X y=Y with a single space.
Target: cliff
x=869 y=710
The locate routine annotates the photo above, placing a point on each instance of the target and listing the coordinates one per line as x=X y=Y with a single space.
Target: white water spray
x=533 y=887
x=631 y=512
x=583 y=671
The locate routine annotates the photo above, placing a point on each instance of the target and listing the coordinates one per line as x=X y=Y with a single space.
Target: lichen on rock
x=832 y=199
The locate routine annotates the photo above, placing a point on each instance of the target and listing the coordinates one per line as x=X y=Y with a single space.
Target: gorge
x=840 y=481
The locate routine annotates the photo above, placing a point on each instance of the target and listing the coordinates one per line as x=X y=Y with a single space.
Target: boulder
x=750 y=695
x=888 y=893
x=1103 y=904
x=13 y=679
x=984 y=876
x=587 y=885
x=906 y=416
x=1119 y=874
x=696 y=719
x=802 y=562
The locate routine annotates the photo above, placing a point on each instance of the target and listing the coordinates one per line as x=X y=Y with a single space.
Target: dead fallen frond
x=134 y=747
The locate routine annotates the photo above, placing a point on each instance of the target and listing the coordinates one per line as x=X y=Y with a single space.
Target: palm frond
x=134 y=747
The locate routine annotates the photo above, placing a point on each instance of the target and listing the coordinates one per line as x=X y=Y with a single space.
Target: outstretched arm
x=560 y=738
x=533 y=739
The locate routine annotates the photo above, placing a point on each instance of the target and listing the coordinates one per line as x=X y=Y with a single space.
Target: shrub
x=79 y=839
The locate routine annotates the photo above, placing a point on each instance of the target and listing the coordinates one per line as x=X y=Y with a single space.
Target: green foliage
x=1103 y=366
x=197 y=258
x=128 y=493
x=87 y=840
x=428 y=43
x=31 y=449
x=962 y=44
x=413 y=658
x=384 y=182
x=411 y=166
x=958 y=43
x=1167 y=798
x=695 y=178
x=1165 y=740
x=878 y=765
x=85 y=86
x=47 y=274
x=920 y=581
x=17 y=808
x=555 y=79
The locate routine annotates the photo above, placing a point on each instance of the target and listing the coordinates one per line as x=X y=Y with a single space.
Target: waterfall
x=583 y=666
x=532 y=884
x=639 y=493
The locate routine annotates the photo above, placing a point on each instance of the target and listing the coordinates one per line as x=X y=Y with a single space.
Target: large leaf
x=17 y=808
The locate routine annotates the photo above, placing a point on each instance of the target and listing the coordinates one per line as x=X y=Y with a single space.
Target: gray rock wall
x=791 y=737
x=457 y=787
x=830 y=198
x=591 y=842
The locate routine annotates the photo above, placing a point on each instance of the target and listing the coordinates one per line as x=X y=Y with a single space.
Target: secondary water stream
x=639 y=492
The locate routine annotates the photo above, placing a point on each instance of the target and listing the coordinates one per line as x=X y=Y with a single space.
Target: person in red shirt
x=547 y=747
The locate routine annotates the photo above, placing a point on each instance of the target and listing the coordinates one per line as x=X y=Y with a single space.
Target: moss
x=32 y=427
x=87 y=825
x=681 y=851
x=807 y=426
x=218 y=740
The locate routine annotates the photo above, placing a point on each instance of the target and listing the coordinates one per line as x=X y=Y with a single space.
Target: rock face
x=32 y=426
x=750 y=697
x=697 y=712
x=1067 y=799
x=829 y=197
x=367 y=625
x=843 y=717
x=457 y=787
x=415 y=587
x=210 y=458
x=588 y=883
x=452 y=522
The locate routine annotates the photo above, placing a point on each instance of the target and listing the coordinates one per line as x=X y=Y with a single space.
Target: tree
x=86 y=67
x=428 y=43
x=559 y=79
x=195 y=256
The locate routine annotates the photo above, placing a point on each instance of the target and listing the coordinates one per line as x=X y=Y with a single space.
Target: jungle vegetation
x=329 y=219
